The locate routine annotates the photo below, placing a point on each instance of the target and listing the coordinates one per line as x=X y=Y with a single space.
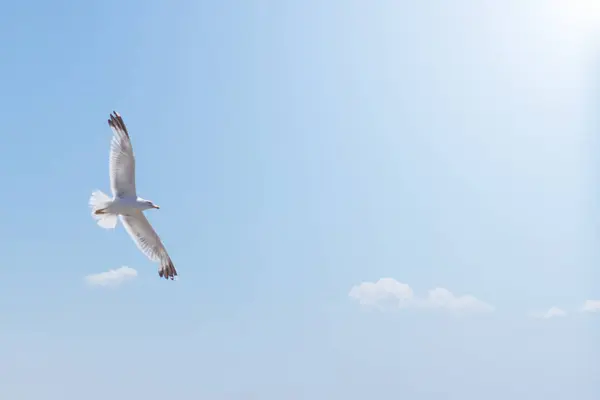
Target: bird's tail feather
x=99 y=201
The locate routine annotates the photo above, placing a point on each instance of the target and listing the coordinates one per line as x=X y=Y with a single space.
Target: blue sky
x=301 y=152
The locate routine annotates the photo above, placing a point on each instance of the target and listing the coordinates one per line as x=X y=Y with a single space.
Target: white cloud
x=591 y=306
x=113 y=277
x=389 y=292
x=552 y=312
x=383 y=291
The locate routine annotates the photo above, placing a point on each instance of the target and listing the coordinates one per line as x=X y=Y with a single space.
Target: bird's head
x=150 y=204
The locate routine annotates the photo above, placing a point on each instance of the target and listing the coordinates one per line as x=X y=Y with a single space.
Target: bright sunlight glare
x=581 y=15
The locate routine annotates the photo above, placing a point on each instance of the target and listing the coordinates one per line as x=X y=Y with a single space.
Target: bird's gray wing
x=122 y=161
x=148 y=242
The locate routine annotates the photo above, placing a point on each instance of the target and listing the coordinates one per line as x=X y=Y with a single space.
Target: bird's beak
x=157 y=207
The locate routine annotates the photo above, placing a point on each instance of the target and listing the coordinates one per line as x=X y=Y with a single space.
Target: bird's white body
x=125 y=203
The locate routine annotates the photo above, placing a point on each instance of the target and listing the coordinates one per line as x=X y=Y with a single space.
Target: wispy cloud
x=113 y=277
x=552 y=312
x=388 y=292
x=591 y=306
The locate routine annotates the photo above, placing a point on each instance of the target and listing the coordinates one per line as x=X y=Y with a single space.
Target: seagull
x=125 y=202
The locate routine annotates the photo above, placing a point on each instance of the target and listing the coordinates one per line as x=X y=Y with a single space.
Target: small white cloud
x=591 y=306
x=113 y=277
x=552 y=312
x=390 y=292
x=384 y=290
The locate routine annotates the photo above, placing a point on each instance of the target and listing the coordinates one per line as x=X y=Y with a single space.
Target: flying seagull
x=125 y=202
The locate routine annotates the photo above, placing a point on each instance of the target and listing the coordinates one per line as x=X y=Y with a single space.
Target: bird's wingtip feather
x=167 y=270
x=116 y=122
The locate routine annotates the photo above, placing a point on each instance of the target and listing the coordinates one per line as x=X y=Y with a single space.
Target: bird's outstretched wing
x=122 y=161
x=148 y=242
